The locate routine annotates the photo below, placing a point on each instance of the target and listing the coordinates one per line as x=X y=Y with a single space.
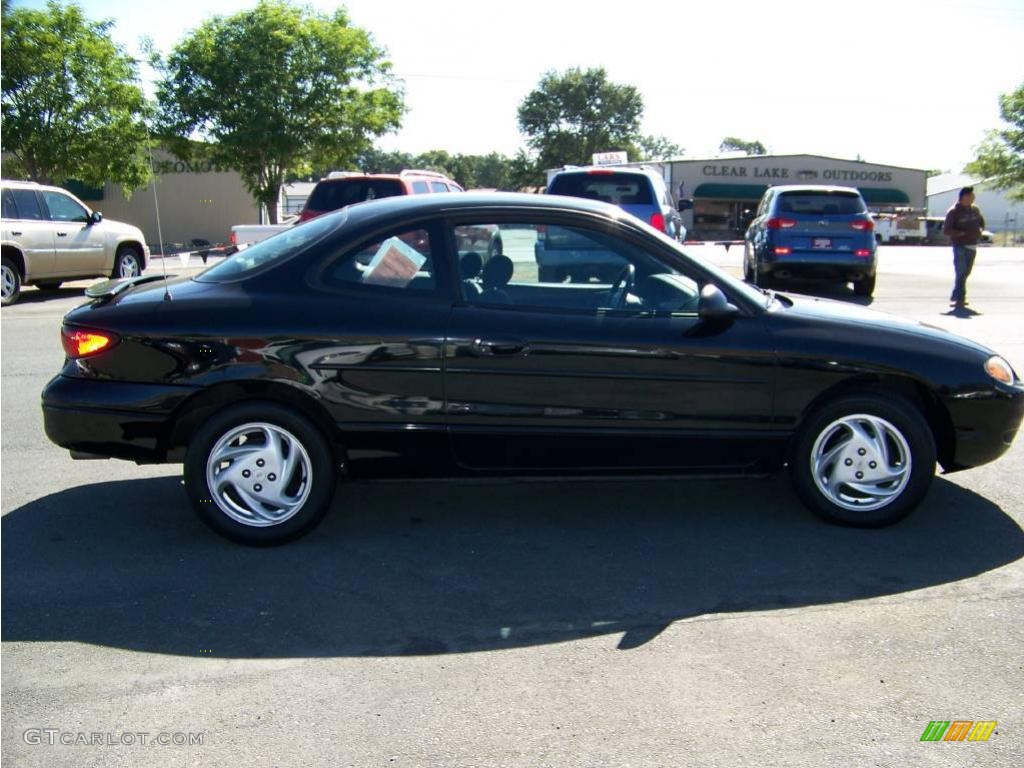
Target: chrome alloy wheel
x=128 y=265
x=259 y=474
x=8 y=283
x=861 y=462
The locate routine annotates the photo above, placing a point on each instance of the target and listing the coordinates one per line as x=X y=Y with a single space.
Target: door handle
x=62 y=234
x=504 y=347
x=16 y=234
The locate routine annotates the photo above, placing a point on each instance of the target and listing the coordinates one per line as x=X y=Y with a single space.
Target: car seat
x=497 y=272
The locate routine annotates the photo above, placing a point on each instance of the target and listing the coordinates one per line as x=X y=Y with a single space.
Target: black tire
x=11 y=277
x=761 y=278
x=311 y=481
x=748 y=273
x=865 y=287
x=864 y=510
x=127 y=262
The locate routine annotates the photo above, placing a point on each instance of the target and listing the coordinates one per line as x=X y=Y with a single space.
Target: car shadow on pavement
x=434 y=568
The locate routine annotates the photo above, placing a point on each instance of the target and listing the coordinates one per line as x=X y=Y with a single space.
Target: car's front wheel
x=865 y=461
x=260 y=474
x=127 y=263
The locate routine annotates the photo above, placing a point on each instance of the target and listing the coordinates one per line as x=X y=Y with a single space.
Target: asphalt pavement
x=509 y=623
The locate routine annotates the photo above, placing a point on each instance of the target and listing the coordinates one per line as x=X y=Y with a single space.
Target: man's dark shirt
x=964 y=224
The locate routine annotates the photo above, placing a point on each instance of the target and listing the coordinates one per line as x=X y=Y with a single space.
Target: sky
x=912 y=83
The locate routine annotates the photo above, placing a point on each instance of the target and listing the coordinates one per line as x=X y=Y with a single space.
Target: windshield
x=276 y=248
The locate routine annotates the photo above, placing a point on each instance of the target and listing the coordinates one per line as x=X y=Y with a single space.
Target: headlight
x=999 y=370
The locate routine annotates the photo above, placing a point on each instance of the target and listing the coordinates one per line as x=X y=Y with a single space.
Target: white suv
x=48 y=236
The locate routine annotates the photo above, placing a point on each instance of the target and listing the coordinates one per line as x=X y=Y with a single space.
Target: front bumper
x=984 y=424
x=111 y=419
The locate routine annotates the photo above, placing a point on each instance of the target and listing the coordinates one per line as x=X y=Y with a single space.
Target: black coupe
x=389 y=339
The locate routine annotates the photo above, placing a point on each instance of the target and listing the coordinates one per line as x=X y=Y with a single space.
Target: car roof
x=638 y=169
x=813 y=188
x=415 y=206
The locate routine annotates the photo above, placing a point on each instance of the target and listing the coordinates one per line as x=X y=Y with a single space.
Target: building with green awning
x=726 y=190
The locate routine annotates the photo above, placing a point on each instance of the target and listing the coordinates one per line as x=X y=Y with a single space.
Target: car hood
x=846 y=314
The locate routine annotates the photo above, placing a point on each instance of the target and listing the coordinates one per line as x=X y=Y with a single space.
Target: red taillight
x=306 y=215
x=862 y=252
x=82 y=342
x=599 y=172
x=658 y=222
x=783 y=251
x=780 y=223
x=863 y=225
x=233 y=238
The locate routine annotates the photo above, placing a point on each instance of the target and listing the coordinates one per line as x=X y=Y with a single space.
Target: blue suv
x=812 y=231
x=639 y=191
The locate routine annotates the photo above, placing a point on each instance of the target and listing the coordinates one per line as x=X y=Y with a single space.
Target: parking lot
x=513 y=623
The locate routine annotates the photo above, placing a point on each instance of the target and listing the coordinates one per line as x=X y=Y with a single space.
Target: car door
x=566 y=376
x=25 y=225
x=78 y=244
x=383 y=301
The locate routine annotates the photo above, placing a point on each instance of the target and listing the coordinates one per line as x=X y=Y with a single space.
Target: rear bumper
x=985 y=426
x=113 y=419
x=812 y=264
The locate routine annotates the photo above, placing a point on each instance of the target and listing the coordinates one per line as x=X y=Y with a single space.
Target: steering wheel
x=622 y=286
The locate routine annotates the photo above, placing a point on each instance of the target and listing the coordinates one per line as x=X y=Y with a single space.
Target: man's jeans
x=963 y=263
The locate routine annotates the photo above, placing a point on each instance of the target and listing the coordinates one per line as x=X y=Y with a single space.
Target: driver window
x=63 y=208
x=532 y=265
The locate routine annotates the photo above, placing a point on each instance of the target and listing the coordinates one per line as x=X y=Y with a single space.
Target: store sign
x=610 y=158
x=829 y=174
x=165 y=167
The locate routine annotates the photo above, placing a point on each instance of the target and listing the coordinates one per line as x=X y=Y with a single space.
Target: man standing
x=963 y=226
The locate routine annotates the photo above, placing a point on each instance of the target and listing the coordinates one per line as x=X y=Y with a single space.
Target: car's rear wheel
x=10 y=281
x=865 y=287
x=127 y=263
x=864 y=461
x=260 y=474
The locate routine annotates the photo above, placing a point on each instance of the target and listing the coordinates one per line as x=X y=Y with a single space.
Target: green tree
x=658 y=148
x=1000 y=157
x=72 y=108
x=570 y=116
x=732 y=144
x=277 y=89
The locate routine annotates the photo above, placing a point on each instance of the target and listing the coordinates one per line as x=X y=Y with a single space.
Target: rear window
x=275 y=248
x=335 y=194
x=615 y=188
x=821 y=203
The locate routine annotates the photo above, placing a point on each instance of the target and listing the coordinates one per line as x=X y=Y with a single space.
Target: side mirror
x=95 y=217
x=713 y=305
x=685 y=204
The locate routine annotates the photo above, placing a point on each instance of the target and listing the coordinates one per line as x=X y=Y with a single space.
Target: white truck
x=247 y=234
x=904 y=226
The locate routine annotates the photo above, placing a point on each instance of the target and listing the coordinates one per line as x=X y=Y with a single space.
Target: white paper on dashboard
x=394 y=264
